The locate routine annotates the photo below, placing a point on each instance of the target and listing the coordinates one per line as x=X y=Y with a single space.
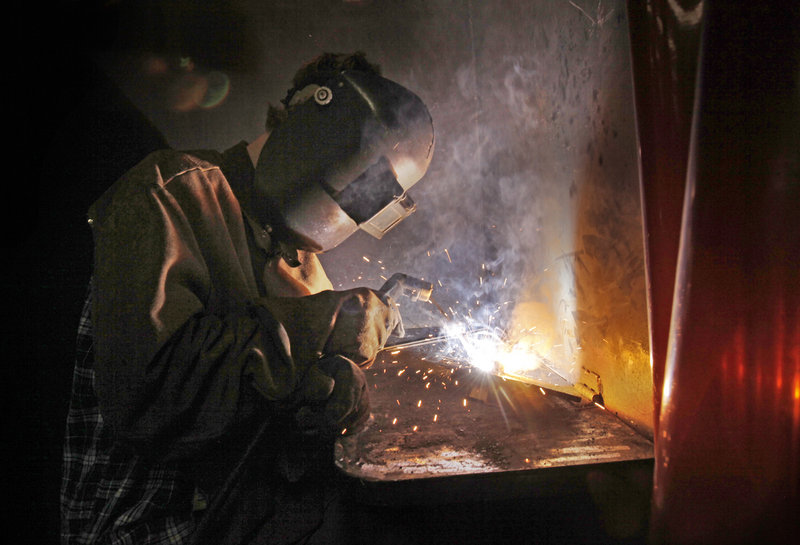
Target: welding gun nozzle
x=403 y=285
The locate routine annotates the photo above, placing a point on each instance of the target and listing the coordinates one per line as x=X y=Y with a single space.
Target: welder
x=216 y=363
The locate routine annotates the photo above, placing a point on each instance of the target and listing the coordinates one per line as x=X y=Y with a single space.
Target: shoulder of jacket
x=169 y=164
x=157 y=170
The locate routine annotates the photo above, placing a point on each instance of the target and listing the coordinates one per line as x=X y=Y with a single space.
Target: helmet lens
x=376 y=200
x=392 y=214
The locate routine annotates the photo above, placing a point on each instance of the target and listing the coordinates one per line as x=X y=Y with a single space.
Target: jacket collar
x=238 y=169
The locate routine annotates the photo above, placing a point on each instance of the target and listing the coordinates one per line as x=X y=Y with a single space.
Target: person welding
x=216 y=364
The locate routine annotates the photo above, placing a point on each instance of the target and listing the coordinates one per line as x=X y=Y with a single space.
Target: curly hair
x=318 y=71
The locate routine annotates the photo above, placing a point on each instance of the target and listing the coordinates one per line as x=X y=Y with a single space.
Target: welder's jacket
x=174 y=280
x=178 y=340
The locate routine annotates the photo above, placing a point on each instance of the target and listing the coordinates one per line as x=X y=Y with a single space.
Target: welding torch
x=403 y=285
x=415 y=289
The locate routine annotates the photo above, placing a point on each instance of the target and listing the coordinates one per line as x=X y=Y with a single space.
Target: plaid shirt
x=109 y=495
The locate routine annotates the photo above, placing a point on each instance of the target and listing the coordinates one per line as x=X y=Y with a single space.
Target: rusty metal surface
x=433 y=417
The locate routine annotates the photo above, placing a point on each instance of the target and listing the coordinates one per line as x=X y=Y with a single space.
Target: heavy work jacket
x=178 y=267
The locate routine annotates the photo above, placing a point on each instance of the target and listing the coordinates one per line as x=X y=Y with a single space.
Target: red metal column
x=664 y=48
x=728 y=448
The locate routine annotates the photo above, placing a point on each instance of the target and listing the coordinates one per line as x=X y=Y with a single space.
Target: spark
x=601 y=17
x=465 y=402
x=394 y=353
x=582 y=11
x=365 y=258
x=400 y=372
x=435 y=417
x=448 y=255
x=419 y=403
x=542 y=390
x=394 y=421
x=344 y=431
x=414 y=428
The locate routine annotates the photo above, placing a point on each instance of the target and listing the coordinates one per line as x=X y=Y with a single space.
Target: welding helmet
x=344 y=159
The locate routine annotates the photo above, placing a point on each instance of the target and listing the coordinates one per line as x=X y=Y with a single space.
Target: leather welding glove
x=353 y=323
x=364 y=322
x=345 y=408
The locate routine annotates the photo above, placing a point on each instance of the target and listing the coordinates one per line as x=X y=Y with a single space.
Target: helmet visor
x=375 y=200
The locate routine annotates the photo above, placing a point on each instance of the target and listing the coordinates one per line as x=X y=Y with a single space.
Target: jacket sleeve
x=198 y=388
x=178 y=340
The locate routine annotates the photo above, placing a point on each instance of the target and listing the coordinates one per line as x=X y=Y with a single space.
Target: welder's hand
x=363 y=325
x=335 y=398
x=353 y=323
x=308 y=321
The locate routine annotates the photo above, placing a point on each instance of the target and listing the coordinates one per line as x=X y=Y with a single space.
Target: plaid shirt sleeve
x=108 y=494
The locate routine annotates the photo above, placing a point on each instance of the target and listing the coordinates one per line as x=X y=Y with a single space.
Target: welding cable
x=202 y=532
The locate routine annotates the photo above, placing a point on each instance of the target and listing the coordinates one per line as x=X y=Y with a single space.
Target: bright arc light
x=518 y=359
x=487 y=351
x=482 y=352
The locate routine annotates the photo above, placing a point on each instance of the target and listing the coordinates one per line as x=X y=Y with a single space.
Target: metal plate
x=435 y=418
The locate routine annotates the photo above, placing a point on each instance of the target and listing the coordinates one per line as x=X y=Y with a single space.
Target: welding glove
x=353 y=323
x=336 y=398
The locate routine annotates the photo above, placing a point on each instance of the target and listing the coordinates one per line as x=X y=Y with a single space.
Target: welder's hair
x=318 y=71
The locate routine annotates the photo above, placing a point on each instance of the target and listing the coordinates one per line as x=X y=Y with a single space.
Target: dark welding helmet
x=344 y=159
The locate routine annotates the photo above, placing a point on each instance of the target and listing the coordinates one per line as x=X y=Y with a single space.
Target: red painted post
x=727 y=457
x=665 y=40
